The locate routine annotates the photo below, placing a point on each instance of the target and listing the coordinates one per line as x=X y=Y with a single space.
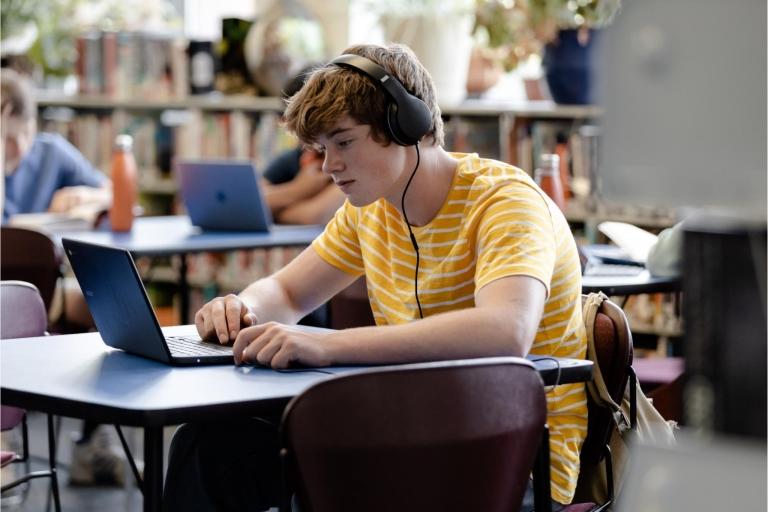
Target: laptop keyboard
x=186 y=346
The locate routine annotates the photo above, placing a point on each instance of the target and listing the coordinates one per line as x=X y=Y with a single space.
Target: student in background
x=497 y=266
x=297 y=190
x=295 y=187
x=44 y=172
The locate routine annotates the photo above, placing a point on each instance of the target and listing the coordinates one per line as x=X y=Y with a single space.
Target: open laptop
x=607 y=260
x=122 y=311
x=223 y=195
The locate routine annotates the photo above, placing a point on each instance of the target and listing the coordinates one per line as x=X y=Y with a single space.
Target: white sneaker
x=99 y=461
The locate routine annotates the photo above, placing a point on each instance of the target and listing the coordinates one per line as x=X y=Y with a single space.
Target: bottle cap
x=124 y=142
x=550 y=160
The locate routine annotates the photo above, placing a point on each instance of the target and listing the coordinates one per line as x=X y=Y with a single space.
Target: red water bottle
x=547 y=176
x=124 y=186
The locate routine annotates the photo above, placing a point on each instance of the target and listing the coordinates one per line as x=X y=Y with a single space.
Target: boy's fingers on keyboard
x=233 y=310
x=219 y=318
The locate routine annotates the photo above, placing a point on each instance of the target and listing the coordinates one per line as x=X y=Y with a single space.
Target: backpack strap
x=597 y=389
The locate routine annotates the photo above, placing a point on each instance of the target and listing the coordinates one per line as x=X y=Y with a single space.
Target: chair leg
x=542 y=492
x=52 y=464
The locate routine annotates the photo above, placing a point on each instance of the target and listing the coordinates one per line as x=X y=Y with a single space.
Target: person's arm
x=286 y=296
x=318 y=209
x=290 y=179
x=82 y=183
x=503 y=323
x=96 y=198
x=308 y=182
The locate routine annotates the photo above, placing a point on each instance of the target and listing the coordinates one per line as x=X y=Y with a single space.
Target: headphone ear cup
x=395 y=130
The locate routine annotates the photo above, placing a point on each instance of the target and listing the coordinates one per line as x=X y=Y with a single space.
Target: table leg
x=542 y=493
x=183 y=291
x=153 y=468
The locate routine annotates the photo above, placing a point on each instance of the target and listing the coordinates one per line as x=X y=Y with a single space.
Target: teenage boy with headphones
x=464 y=257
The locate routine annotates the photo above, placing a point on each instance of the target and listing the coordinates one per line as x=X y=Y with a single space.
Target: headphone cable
x=410 y=231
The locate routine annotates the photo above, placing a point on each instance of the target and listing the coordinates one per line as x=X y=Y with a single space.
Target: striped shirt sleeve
x=339 y=244
x=515 y=237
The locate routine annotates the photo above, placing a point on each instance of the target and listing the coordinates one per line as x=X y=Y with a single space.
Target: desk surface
x=629 y=285
x=77 y=375
x=156 y=236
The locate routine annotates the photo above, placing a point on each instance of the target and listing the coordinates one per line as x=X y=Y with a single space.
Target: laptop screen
x=223 y=195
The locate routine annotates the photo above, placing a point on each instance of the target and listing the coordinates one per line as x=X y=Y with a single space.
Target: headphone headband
x=408 y=117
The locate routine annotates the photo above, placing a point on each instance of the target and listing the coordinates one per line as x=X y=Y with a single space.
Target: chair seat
x=6 y=458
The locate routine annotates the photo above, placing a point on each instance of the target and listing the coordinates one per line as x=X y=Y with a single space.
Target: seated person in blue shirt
x=297 y=191
x=295 y=187
x=44 y=172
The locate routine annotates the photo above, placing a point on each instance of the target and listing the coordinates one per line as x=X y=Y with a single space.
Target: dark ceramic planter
x=569 y=68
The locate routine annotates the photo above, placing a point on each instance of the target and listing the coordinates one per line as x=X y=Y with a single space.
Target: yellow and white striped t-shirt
x=494 y=223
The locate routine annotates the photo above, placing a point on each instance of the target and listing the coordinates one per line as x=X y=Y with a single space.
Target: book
x=634 y=241
x=80 y=218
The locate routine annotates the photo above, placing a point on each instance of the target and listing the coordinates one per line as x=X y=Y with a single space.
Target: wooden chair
x=456 y=435
x=350 y=307
x=613 y=347
x=31 y=256
x=24 y=315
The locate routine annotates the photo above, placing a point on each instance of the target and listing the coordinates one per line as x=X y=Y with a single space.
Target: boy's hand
x=223 y=318
x=280 y=346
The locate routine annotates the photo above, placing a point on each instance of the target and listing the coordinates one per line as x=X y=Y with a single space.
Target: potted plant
x=562 y=31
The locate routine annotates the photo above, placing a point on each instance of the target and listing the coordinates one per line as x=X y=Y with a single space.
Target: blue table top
x=77 y=375
x=643 y=282
x=157 y=236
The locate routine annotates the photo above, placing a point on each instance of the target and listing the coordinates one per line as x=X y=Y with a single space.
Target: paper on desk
x=636 y=241
x=50 y=221
x=81 y=217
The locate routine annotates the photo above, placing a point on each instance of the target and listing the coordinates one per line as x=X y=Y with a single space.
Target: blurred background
x=656 y=109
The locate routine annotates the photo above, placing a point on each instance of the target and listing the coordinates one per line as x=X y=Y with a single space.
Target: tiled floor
x=73 y=499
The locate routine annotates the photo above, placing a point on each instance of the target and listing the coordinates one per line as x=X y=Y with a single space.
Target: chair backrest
x=28 y=255
x=613 y=347
x=22 y=310
x=458 y=435
x=351 y=307
x=22 y=314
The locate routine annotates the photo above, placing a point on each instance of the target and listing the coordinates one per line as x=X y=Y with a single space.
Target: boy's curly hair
x=331 y=92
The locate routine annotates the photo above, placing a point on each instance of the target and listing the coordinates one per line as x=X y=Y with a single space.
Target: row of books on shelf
x=123 y=65
x=654 y=313
x=161 y=136
x=573 y=140
x=226 y=272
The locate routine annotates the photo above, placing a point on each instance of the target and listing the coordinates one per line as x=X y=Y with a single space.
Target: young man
x=464 y=257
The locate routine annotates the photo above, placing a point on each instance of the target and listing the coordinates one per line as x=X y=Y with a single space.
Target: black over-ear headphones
x=408 y=117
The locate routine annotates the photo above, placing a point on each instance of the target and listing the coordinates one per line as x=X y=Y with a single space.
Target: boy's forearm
x=270 y=302
x=468 y=333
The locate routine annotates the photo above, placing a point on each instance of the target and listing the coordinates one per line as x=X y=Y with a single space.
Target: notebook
x=223 y=195
x=123 y=314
